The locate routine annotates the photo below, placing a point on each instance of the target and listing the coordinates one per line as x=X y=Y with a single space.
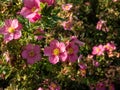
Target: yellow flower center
x=11 y=29
x=31 y=53
x=33 y=9
x=56 y=51
x=67 y=7
x=70 y=50
x=97 y=50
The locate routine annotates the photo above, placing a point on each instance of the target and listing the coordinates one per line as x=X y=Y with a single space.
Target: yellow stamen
x=70 y=50
x=56 y=51
x=31 y=53
x=33 y=9
x=11 y=29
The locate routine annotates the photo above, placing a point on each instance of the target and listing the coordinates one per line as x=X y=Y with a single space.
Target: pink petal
x=29 y=3
x=63 y=56
x=8 y=37
x=14 y=23
x=54 y=59
x=24 y=54
x=37 y=3
x=73 y=57
x=25 y=12
x=75 y=47
x=17 y=34
x=47 y=51
x=62 y=47
x=2 y=30
x=30 y=61
x=33 y=17
x=37 y=48
x=8 y=23
x=29 y=47
x=54 y=43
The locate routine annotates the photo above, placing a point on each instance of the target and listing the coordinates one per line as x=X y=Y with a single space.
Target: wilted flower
x=11 y=30
x=76 y=41
x=39 y=34
x=31 y=9
x=56 y=51
x=31 y=53
x=72 y=51
x=100 y=24
x=54 y=86
x=98 y=50
x=82 y=66
x=95 y=63
x=66 y=7
x=67 y=25
x=7 y=56
x=109 y=47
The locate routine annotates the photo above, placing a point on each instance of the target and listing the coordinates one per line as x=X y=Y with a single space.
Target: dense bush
x=60 y=44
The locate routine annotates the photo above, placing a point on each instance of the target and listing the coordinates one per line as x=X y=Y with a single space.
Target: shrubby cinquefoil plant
x=59 y=44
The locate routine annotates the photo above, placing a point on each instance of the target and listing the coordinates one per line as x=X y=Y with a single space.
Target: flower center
x=67 y=7
x=33 y=9
x=70 y=50
x=68 y=25
x=31 y=53
x=11 y=29
x=56 y=51
x=54 y=86
x=97 y=50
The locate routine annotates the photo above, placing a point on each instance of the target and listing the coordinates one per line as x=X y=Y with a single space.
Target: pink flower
x=76 y=41
x=72 y=51
x=39 y=34
x=55 y=51
x=49 y=2
x=11 y=30
x=66 y=7
x=67 y=25
x=31 y=53
x=100 y=86
x=98 y=50
x=30 y=10
x=109 y=47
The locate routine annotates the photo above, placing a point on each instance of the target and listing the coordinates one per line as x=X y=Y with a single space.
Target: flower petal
x=24 y=54
x=62 y=47
x=73 y=57
x=25 y=12
x=54 y=59
x=17 y=34
x=54 y=43
x=8 y=23
x=14 y=23
x=63 y=56
x=47 y=51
